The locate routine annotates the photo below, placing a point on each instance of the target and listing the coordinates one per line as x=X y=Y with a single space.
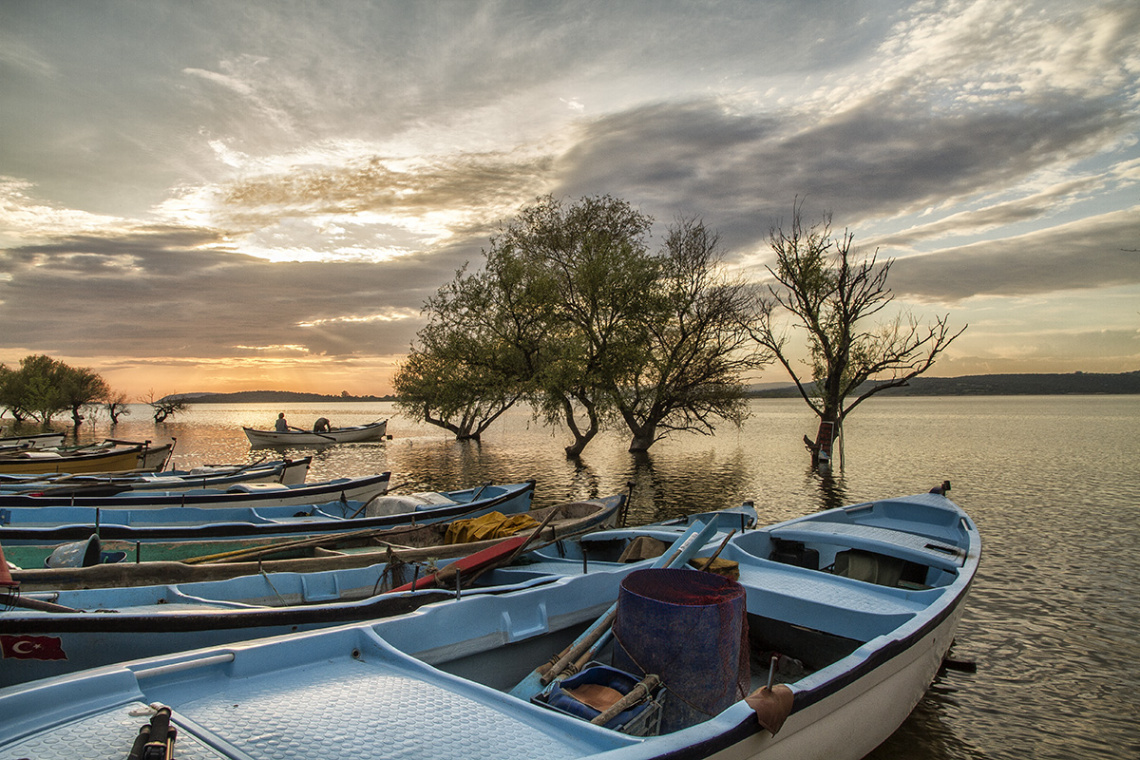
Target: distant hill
x=1077 y=383
x=270 y=397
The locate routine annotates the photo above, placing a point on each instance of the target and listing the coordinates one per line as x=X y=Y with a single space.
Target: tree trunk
x=643 y=437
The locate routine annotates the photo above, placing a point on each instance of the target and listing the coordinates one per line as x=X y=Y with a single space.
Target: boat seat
x=256 y=487
x=895 y=543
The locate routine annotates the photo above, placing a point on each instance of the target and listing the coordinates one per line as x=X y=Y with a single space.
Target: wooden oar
x=680 y=552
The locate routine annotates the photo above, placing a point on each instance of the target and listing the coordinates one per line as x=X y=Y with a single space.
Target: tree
x=81 y=387
x=577 y=282
x=697 y=335
x=573 y=313
x=116 y=404
x=166 y=406
x=831 y=292
x=466 y=371
x=35 y=389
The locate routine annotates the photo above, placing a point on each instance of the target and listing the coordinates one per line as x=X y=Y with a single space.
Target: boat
x=241 y=494
x=95 y=626
x=407 y=544
x=32 y=441
x=65 y=536
x=373 y=431
x=849 y=615
x=110 y=458
x=283 y=471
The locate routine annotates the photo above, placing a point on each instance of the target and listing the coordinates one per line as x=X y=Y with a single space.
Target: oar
x=680 y=553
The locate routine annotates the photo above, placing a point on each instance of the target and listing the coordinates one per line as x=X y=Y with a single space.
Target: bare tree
x=116 y=405
x=832 y=292
x=166 y=406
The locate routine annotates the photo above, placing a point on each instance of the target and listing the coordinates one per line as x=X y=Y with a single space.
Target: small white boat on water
x=845 y=617
x=373 y=431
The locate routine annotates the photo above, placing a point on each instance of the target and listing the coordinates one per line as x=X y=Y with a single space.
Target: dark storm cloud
x=879 y=158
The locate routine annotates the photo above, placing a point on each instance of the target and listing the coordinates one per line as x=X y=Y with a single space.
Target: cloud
x=161 y=293
x=1098 y=252
x=882 y=159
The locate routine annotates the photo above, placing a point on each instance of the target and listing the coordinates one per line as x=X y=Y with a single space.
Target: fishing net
x=491 y=525
x=691 y=629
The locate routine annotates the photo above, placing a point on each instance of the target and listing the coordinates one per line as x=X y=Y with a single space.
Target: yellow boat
x=115 y=458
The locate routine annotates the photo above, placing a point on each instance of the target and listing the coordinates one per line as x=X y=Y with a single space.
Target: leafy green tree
x=469 y=367
x=35 y=389
x=832 y=293
x=80 y=387
x=582 y=275
x=697 y=346
x=572 y=312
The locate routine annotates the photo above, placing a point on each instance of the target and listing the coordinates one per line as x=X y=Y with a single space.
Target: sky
x=218 y=196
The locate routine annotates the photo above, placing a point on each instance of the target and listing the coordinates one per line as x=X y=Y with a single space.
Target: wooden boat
x=95 y=626
x=856 y=655
x=65 y=536
x=242 y=494
x=284 y=471
x=373 y=431
x=112 y=458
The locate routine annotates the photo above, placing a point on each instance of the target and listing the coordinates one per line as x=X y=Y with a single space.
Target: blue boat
x=239 y=494
x=285 y=471
x=30 y=535
x=94 y=626
x=842 y=617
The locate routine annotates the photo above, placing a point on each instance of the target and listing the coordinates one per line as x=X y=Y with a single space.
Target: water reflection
x=832 y=489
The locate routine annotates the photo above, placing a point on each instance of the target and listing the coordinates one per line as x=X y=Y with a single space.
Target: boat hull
x=372 y=432
x=180 y=533
x=438 y=679
x=37 y=462
x=196 y=614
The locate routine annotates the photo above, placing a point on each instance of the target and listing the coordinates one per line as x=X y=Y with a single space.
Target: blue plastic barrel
x=690 y=628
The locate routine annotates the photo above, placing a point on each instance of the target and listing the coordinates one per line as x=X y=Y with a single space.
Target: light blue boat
x=283 y=471
x=96 y=625
x=859 y=604
x=30 y=535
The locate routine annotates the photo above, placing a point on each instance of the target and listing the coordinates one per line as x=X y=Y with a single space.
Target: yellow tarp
x=492 y=525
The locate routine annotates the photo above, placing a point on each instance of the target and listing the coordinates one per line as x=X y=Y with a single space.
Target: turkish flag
x=32 y=647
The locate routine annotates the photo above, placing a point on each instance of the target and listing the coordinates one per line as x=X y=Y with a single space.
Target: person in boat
x=322 y=425
x=282 y=425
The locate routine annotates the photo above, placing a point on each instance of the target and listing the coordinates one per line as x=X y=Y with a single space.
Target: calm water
x=1053 y=622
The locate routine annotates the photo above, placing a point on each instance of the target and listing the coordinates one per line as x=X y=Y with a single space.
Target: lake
x=1053 y=621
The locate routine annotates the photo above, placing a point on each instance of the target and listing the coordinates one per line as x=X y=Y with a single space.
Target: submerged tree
x=166 y=407
x=81 y=388
x=43 y=387
x=831 y=292
x=573 y=313
x=696 y=350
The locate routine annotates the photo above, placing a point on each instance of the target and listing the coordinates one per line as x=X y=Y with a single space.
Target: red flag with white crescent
x=32 y=647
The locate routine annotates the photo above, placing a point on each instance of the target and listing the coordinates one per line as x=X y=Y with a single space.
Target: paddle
x=680 y=552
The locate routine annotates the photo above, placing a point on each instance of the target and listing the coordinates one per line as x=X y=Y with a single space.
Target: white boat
x=861 y=604
x=373 y=431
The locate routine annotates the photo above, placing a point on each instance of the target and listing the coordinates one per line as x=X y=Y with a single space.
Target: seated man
x=282 y=424
x=321 y=425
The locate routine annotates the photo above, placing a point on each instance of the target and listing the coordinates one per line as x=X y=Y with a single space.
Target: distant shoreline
x=1073 y=384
